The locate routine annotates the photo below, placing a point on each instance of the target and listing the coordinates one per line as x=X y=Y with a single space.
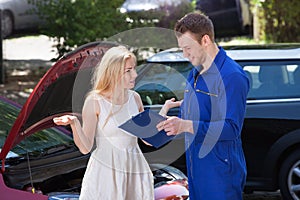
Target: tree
x=72 y=23
x=282 y=20
x=277 y=20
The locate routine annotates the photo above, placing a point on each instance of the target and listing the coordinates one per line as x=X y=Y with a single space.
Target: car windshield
x=158 y=82
x=43 y=142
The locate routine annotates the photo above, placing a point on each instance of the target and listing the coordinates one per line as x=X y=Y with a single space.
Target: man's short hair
x=196 y=23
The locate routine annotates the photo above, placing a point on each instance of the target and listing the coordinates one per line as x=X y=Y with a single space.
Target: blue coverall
x=216 y=101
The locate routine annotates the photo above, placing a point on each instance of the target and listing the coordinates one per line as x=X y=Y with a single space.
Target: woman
x=117 y=168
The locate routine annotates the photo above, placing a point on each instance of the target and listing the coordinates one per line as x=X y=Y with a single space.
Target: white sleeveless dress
x=117 y=169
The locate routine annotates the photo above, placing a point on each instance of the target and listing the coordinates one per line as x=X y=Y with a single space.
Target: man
x=212 y=114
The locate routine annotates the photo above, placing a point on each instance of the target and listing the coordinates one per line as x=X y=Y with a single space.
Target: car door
x=272 y=116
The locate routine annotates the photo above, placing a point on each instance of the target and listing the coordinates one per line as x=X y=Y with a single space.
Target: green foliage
x=175 y=13
x=279 y=20
x=72 y=23
x=75 y=22
x=282 y=20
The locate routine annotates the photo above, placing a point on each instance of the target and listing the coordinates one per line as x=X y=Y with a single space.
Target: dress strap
x=132 y=98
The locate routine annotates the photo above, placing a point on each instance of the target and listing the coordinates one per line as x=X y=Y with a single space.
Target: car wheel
x=289 y=177
x=7 y=24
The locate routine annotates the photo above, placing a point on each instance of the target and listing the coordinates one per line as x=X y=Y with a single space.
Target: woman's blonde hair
x=107 y=74
x=109 y=71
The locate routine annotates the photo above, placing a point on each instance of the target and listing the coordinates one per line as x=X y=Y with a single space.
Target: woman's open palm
x=64 y=120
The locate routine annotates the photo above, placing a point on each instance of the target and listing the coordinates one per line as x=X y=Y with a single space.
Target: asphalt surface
x=263 y=196
x=27 y=58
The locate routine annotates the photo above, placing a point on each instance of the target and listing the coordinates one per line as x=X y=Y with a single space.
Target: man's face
x=192 y=49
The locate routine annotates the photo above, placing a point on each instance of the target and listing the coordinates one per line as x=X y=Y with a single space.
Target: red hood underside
x=52 y=95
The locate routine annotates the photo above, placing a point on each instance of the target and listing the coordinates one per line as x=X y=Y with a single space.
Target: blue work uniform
x=216 y=101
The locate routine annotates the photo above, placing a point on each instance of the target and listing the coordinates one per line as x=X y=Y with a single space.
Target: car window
x=162 y=81
x=158 y=82
x=43 y=141
x=273 y=80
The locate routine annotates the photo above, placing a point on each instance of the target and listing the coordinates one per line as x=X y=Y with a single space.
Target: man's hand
x=175 y=126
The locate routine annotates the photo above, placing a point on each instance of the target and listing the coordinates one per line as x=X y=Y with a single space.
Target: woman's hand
x=170 y=103
x=64 y=120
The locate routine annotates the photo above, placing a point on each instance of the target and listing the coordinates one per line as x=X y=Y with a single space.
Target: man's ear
x=205 y=40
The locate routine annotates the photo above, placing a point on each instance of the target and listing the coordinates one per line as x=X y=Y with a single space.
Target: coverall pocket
x=222 y=157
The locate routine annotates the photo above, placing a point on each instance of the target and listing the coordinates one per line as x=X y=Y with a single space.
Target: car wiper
x=14 y=160
x=51 y=150
x=57 y=148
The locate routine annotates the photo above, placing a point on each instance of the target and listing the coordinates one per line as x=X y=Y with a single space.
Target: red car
x=52 y=168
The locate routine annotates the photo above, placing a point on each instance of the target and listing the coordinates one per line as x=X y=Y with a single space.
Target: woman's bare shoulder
x=92 y=96
x=135 y=94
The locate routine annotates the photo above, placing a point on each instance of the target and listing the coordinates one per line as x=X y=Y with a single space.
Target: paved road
x=29 y=48
x=263 y=196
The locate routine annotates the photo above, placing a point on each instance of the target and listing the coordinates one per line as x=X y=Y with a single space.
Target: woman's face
x=129 y=75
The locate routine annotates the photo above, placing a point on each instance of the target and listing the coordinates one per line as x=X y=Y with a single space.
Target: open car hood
x=53 y=94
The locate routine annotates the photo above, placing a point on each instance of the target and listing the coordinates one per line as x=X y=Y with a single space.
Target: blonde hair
x=107 y=74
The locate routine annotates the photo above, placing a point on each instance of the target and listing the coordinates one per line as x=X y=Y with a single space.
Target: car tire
x=7 y=24
x=289 y=177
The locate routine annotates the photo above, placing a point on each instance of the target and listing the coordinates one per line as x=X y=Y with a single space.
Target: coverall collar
x=216 y=66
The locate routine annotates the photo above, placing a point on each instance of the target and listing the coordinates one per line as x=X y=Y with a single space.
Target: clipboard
x=143 y=125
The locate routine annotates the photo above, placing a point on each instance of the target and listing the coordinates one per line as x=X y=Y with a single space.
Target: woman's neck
x=117 y=97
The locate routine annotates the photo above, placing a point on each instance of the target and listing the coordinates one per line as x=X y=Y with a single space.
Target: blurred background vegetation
x=72 y=23
x=276 y=21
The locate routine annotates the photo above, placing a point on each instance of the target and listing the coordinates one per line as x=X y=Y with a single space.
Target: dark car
x=39 y=159
x=230 y=17
x=271 y=130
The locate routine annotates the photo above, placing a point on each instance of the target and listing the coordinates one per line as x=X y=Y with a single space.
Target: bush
x=278 y=20
x=72 y=23
x=75 y=22
x=282 y=20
